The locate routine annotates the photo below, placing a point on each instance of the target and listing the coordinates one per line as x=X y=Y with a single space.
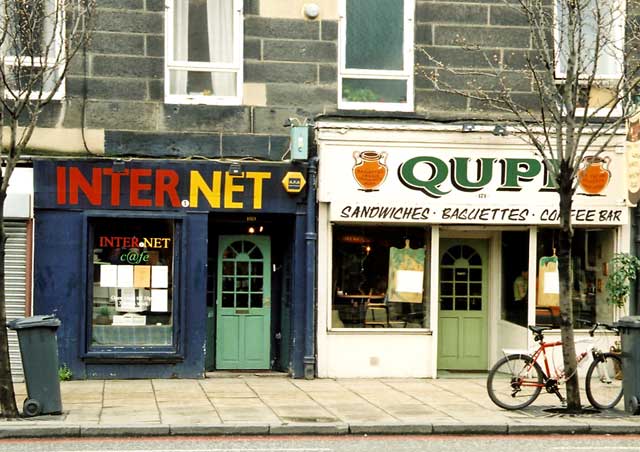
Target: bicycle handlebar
x=538 y=331
x=597 y=325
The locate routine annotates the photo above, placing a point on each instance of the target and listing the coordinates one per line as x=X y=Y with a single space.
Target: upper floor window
x=203 y=51
x=376 y=55
x=592 y=32
x=32 y=51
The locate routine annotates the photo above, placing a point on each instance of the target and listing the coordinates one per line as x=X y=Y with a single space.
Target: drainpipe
x=635 y=230
x=311 y=239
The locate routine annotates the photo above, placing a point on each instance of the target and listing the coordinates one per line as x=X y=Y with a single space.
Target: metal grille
x=16 y=286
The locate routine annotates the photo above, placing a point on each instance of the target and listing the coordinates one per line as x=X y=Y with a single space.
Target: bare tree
x=582 y=68
x=38 y=40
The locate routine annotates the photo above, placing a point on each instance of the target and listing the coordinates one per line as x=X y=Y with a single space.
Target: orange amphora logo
x=594 y=174
x=370 y=169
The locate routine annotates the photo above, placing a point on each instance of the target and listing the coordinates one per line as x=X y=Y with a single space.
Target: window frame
x=59 y=58
x=173 y=352
x=236 y=66
x=405 y=74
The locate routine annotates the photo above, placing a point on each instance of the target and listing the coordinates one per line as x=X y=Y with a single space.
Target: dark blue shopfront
x=171 y=269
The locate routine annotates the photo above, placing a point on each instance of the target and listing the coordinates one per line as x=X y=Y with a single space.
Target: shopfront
x=171 y=269
x=437 y=247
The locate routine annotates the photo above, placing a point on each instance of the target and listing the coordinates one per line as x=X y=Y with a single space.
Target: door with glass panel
x=462 y=313
x=243 y=301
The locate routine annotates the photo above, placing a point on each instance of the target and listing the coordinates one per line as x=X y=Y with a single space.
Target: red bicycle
x=516 y=380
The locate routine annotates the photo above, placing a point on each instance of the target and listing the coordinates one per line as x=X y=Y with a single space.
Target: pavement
x=268 y=404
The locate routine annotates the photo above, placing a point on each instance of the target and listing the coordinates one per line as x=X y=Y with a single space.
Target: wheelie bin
x=39 y=350
x=630 y=336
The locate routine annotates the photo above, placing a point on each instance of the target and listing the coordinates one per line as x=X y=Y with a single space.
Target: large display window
x=380 y=277
x=133 y=302
x=592 y=249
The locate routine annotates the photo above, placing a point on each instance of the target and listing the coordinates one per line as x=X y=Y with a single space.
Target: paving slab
x=247 y=403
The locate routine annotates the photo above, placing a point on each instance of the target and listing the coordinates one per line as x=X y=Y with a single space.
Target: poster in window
x=548 y=282
x=125 y=276
x=159 y=276
x=142 y=276
x=159 y=300
x=406 y=274
x=108 y=275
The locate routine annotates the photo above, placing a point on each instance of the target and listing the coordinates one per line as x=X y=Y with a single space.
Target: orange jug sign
x=370 y=169
x=594 y=174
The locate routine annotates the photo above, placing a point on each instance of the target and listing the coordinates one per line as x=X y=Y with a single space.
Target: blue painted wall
x=60 y=261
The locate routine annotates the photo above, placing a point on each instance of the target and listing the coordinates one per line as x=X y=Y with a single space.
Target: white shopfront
x=437 y=247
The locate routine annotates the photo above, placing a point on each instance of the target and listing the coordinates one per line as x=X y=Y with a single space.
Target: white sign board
x=479 y=186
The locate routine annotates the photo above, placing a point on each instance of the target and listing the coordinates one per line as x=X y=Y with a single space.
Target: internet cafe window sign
x=380 y=277
x=132 y=283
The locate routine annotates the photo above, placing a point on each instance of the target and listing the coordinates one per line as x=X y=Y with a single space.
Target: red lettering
x=135 y=242
x=115 y=184
x=126 y=242
x=167 y=183
x=137 y=186
x=92 y=190
x=61 y=180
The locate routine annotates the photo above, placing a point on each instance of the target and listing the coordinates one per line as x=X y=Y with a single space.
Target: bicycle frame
x=550 y=381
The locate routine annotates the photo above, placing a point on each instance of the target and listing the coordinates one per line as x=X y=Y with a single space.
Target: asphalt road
x=352 y=443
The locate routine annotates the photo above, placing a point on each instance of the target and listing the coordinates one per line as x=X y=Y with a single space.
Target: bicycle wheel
x=604 y=381
x=514 y=382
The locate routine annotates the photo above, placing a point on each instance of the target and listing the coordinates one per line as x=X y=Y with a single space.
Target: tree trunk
x=566 y=305
x=8 y=406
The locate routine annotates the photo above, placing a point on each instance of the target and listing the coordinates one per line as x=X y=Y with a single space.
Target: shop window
x=203 y=52
x=515 y=277
x=133 y=290
x=591 y=251
x=380 y=277
x=376 y=57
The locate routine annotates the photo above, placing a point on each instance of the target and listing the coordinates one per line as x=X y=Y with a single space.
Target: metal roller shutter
x=16 y=286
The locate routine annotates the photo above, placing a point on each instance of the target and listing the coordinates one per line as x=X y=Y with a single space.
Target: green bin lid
x=631 y=321
x=46 y=321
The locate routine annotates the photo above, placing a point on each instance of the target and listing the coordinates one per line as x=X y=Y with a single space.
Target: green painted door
x=243 y=302
x=462 y=314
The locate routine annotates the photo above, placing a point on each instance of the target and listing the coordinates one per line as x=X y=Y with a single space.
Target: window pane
x=242 y=300
x=256 y=268
x=373 y=90
x=198 y=83
x=33 y=28
x=42 y=79
x=132 y=283
x=591 y=250
x=227 y=300
x=203 y=30
x=256 y=300
x=375 y=34
x=599 y=20
x=515 y=276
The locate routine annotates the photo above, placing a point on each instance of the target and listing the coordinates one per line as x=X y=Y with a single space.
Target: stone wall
x=290 y=70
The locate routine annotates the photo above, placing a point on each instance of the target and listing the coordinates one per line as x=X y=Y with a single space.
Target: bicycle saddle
x=539 y=329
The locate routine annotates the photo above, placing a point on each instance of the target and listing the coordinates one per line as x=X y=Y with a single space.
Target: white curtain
x=178 y=78
x=220 y=24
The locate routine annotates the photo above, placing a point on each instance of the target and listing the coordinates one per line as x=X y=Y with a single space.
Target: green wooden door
x=462 y=315
x=243 y=299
